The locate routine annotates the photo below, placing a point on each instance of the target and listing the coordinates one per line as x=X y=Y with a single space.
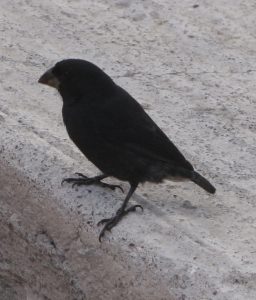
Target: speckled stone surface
x=192 y=65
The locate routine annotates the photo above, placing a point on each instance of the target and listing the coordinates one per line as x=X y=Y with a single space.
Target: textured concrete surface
x=192 y=66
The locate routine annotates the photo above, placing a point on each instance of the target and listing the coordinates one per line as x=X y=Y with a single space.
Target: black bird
x=114 y=132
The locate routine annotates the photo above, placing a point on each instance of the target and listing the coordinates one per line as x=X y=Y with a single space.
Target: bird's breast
x=82 y=128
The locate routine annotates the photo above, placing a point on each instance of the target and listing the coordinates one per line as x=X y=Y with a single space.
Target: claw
x=102 y=221
x=133 y=208
x=81 y=175
x=111 y=222
x=105 y=228
x=102 y=233
x=67 y=180
x=120 y=188
x=113 y=187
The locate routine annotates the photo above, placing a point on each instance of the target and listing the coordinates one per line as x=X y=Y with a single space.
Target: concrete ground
x=192 y=65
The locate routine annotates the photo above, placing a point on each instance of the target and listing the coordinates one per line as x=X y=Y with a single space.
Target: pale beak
x=50 y=79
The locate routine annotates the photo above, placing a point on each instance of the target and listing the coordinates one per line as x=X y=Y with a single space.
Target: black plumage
x=114 y=132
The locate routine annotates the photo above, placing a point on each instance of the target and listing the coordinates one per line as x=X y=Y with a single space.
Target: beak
x=50 y=79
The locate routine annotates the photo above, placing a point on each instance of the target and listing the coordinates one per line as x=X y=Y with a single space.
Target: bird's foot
x=111 y=222
x=84 y=180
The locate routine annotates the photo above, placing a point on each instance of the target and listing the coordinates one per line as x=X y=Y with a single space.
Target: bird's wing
x=123 y=121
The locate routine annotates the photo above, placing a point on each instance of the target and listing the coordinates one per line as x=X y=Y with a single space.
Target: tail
x=202 y=182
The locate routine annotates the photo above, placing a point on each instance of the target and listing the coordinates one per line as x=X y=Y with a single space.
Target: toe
x=101 y=222
x=118 y=187
x=66 y=180
x=81 y=175
x=101 y=235
x=133 y=208
x=107 y=227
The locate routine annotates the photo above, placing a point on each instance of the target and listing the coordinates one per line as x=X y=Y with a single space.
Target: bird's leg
x=122 y=211
x=84 y=180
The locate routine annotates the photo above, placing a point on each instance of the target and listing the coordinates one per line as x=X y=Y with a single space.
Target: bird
x=114 y=132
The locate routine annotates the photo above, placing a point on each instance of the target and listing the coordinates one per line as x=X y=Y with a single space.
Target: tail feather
x=202 y=182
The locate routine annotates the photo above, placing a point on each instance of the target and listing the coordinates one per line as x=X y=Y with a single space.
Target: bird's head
x=76 y=77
